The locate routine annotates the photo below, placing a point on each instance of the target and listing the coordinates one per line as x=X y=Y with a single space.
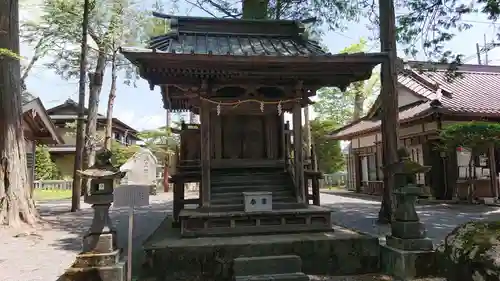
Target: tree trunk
x=390 y=119
x=95 y=86
x=77 y=190
x=359 y=101
x=111 y=101
x=16 y=205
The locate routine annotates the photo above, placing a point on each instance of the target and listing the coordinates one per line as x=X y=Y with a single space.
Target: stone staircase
x=282 y=268
x=228 y=185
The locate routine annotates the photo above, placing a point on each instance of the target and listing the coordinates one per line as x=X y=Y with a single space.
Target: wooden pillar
x=285 y=139
x=205 y=152
x=307 y=130
x=493 y=171
x=298 y=152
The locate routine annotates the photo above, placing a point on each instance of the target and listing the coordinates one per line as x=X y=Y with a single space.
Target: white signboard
x=132 y=196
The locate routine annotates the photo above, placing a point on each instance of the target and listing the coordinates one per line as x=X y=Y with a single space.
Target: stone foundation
x=341 y=252
x=404 y=264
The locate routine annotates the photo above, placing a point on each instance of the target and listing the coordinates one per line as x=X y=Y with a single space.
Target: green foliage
x=160 y=141
x=332 y=14
x=45 y=168
x=328 y=152
x=8 y=53
x=122 y=153
x=429 y=24
x=341 y=107
x=475 y=135
x=112 y=23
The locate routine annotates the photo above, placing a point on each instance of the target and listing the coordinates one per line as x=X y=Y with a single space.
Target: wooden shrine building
x=241 y=76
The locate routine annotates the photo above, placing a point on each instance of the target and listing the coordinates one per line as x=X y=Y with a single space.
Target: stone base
x=201 y=223
x=285 y=268
x=115 y=272
x=407 y=264
x=97 y=259
x=419 y=244
x=275 y=277
x=267 y=265
x=99 y=243
x=341 y=252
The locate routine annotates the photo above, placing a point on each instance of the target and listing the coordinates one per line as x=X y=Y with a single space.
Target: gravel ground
x=44 y=253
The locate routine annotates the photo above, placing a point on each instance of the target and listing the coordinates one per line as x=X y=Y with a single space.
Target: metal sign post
x=131 y=196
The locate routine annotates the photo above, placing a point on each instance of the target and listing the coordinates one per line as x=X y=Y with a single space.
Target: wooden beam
x=298 y=153
x=205 y=152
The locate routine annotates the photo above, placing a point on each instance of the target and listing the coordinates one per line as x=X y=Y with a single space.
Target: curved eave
x=326 y=70
x=360 y=58
x=373 y=127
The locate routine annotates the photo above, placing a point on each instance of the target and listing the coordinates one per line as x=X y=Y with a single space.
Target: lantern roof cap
x=103 y=168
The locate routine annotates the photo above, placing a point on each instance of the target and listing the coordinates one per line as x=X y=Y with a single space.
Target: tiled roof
x=364 y=125
x=474 y=91
x=195 y=35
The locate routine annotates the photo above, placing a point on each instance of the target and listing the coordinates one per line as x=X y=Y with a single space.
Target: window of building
x=480 y=166
x=417 y=155
x=369 y=167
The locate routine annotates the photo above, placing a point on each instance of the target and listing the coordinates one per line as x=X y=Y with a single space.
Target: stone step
x=250 y=188
x=239 y=194
x=249 y=180
x=250 y=266
x=274 y=277
x=241 y=207
x=240 y=200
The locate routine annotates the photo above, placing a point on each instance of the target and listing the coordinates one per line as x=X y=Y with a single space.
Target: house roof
x=56 y=114
x=474 y=92
x=41 y=121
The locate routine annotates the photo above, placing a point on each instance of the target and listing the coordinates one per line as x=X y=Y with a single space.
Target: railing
x=335 y=179
x=53 y=184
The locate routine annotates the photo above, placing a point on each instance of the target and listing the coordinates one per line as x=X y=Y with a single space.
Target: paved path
x=45 y=254
x=361 y=214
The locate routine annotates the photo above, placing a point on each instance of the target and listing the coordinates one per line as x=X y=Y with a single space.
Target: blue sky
x=142 y=108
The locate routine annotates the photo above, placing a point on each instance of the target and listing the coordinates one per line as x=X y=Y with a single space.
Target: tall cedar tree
x=16 y=206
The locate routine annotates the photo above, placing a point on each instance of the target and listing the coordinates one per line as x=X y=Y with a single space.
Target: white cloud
x=139 y=122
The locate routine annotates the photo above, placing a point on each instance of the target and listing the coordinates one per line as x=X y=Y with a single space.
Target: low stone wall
x=337 y=253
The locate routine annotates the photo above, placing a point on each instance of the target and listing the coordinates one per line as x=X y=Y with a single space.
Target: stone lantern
x=100 y=258
x=103 y=177
x=408 y=253
x=407 y=232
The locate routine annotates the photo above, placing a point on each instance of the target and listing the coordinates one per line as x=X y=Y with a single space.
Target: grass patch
x=51 y=194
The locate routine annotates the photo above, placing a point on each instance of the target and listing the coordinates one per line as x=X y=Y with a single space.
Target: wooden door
x=254 y=138
x=243 y=137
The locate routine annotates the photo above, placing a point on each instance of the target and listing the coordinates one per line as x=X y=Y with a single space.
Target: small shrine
x=241 y=77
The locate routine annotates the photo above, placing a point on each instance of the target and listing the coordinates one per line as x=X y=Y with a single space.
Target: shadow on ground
x=146 y=220
x=439 y=219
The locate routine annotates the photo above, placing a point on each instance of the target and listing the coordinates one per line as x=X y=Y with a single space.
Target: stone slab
x=409 y=230
x=267 y=265
x=100 y=243
x=97 y=259
x=421 y=244
x=405 y=265
x=342 y=252
x=274 y=277
x=107 y=273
